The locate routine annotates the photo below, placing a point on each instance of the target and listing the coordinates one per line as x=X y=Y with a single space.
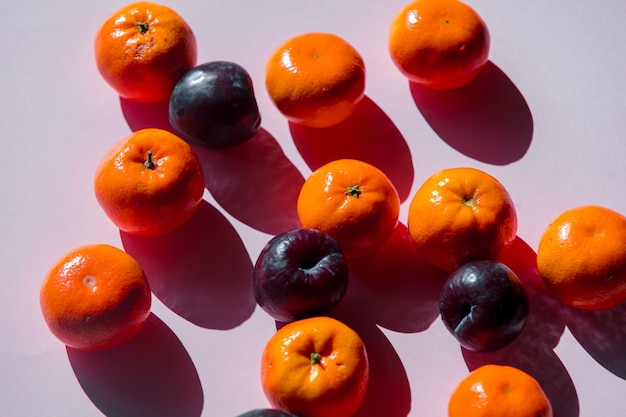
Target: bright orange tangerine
x=95 y=297
x=440 y=44
x=582 y=257
x=316 y=79
x=143 y=49
x=315 y=367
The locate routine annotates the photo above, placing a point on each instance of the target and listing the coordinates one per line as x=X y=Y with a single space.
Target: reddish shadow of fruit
x=602 y=334
x=394 y=288
x=254 y=182
x=151 y=375
x=200 y=271
x=367 y=135
x=487 y=120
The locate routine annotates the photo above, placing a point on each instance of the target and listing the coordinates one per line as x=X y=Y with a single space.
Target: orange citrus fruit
x=460 y=215
x=582 y=257
x=143 y=49
x=440 y=44
x=499 y=390
x=95 y=297
x=315 y=367
x=150 y=183
x=352 y=201
x=316 y=79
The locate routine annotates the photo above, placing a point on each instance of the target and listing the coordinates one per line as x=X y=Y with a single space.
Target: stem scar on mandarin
x=142 y=27
x=149 y=163
x=354 y=191
x=469 y=201
x=316 y=358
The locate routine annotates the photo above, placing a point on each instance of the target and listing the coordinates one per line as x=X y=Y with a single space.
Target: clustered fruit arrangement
x=459 y=220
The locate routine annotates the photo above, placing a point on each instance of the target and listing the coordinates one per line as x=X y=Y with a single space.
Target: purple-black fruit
x=299 y=274
x=484 y=305
x=213 y=106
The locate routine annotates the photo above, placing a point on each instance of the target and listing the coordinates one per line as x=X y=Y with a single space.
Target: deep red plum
x=213 y=106
x=484 y=305
x=300 y=273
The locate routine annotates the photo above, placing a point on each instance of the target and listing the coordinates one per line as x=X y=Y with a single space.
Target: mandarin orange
x=352 y=201
x=440 y=44
x=150 y=183
x=95 y=297
x=316 y=79
x=582 y=257
x=315 y=367
x=499 y=390
x=143 y=49
x=460 y=215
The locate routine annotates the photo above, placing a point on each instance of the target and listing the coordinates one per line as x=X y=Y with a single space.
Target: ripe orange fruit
x=315 y=367
x=143 y=49
x=150 y=183
x=352 y=201
x=316 y=79
x=460 y=215
x=440 y=44
x=582 y=257
x=95 y=297
x=499 y=390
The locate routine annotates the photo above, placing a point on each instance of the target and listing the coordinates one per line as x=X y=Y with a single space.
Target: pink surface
x=547 y=118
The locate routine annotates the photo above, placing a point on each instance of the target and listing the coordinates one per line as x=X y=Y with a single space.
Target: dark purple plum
x=267 y=412
x=484 y=305
x=300 y=273
x=213 y=106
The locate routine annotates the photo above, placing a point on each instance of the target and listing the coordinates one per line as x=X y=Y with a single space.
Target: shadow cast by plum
x=255 y=182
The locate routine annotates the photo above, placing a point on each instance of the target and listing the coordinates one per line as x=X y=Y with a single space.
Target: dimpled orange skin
x=316 y=367
x=149 y=200
x=352 y=201
x=95 y=297
x=460 y=215
x=582 y=257
x=439 y=44
x=316 y=79
x=143 y=49
x=499 y=390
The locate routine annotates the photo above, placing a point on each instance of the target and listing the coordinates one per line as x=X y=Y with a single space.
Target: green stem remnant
x=149 y=163
x=469 y=201
x=142 y=27
x=354 y=191
x=315 y=358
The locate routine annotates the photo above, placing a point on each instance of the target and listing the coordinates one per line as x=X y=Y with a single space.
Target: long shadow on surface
x=533 y=351
x=487 y=120
x=400 y=289
x=603 y=335
x=254 y=182
x=201 y=271
x=151 y=375
x=368 y=135
x=388 y=392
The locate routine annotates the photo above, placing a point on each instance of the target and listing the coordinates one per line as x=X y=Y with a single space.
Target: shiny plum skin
x=298 y=274
x=213 y=106
x=484 y=305
x=267 y=412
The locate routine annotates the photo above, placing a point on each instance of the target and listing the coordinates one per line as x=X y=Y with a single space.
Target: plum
x=213 y=106
x=484 y=305
x=300 y=273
